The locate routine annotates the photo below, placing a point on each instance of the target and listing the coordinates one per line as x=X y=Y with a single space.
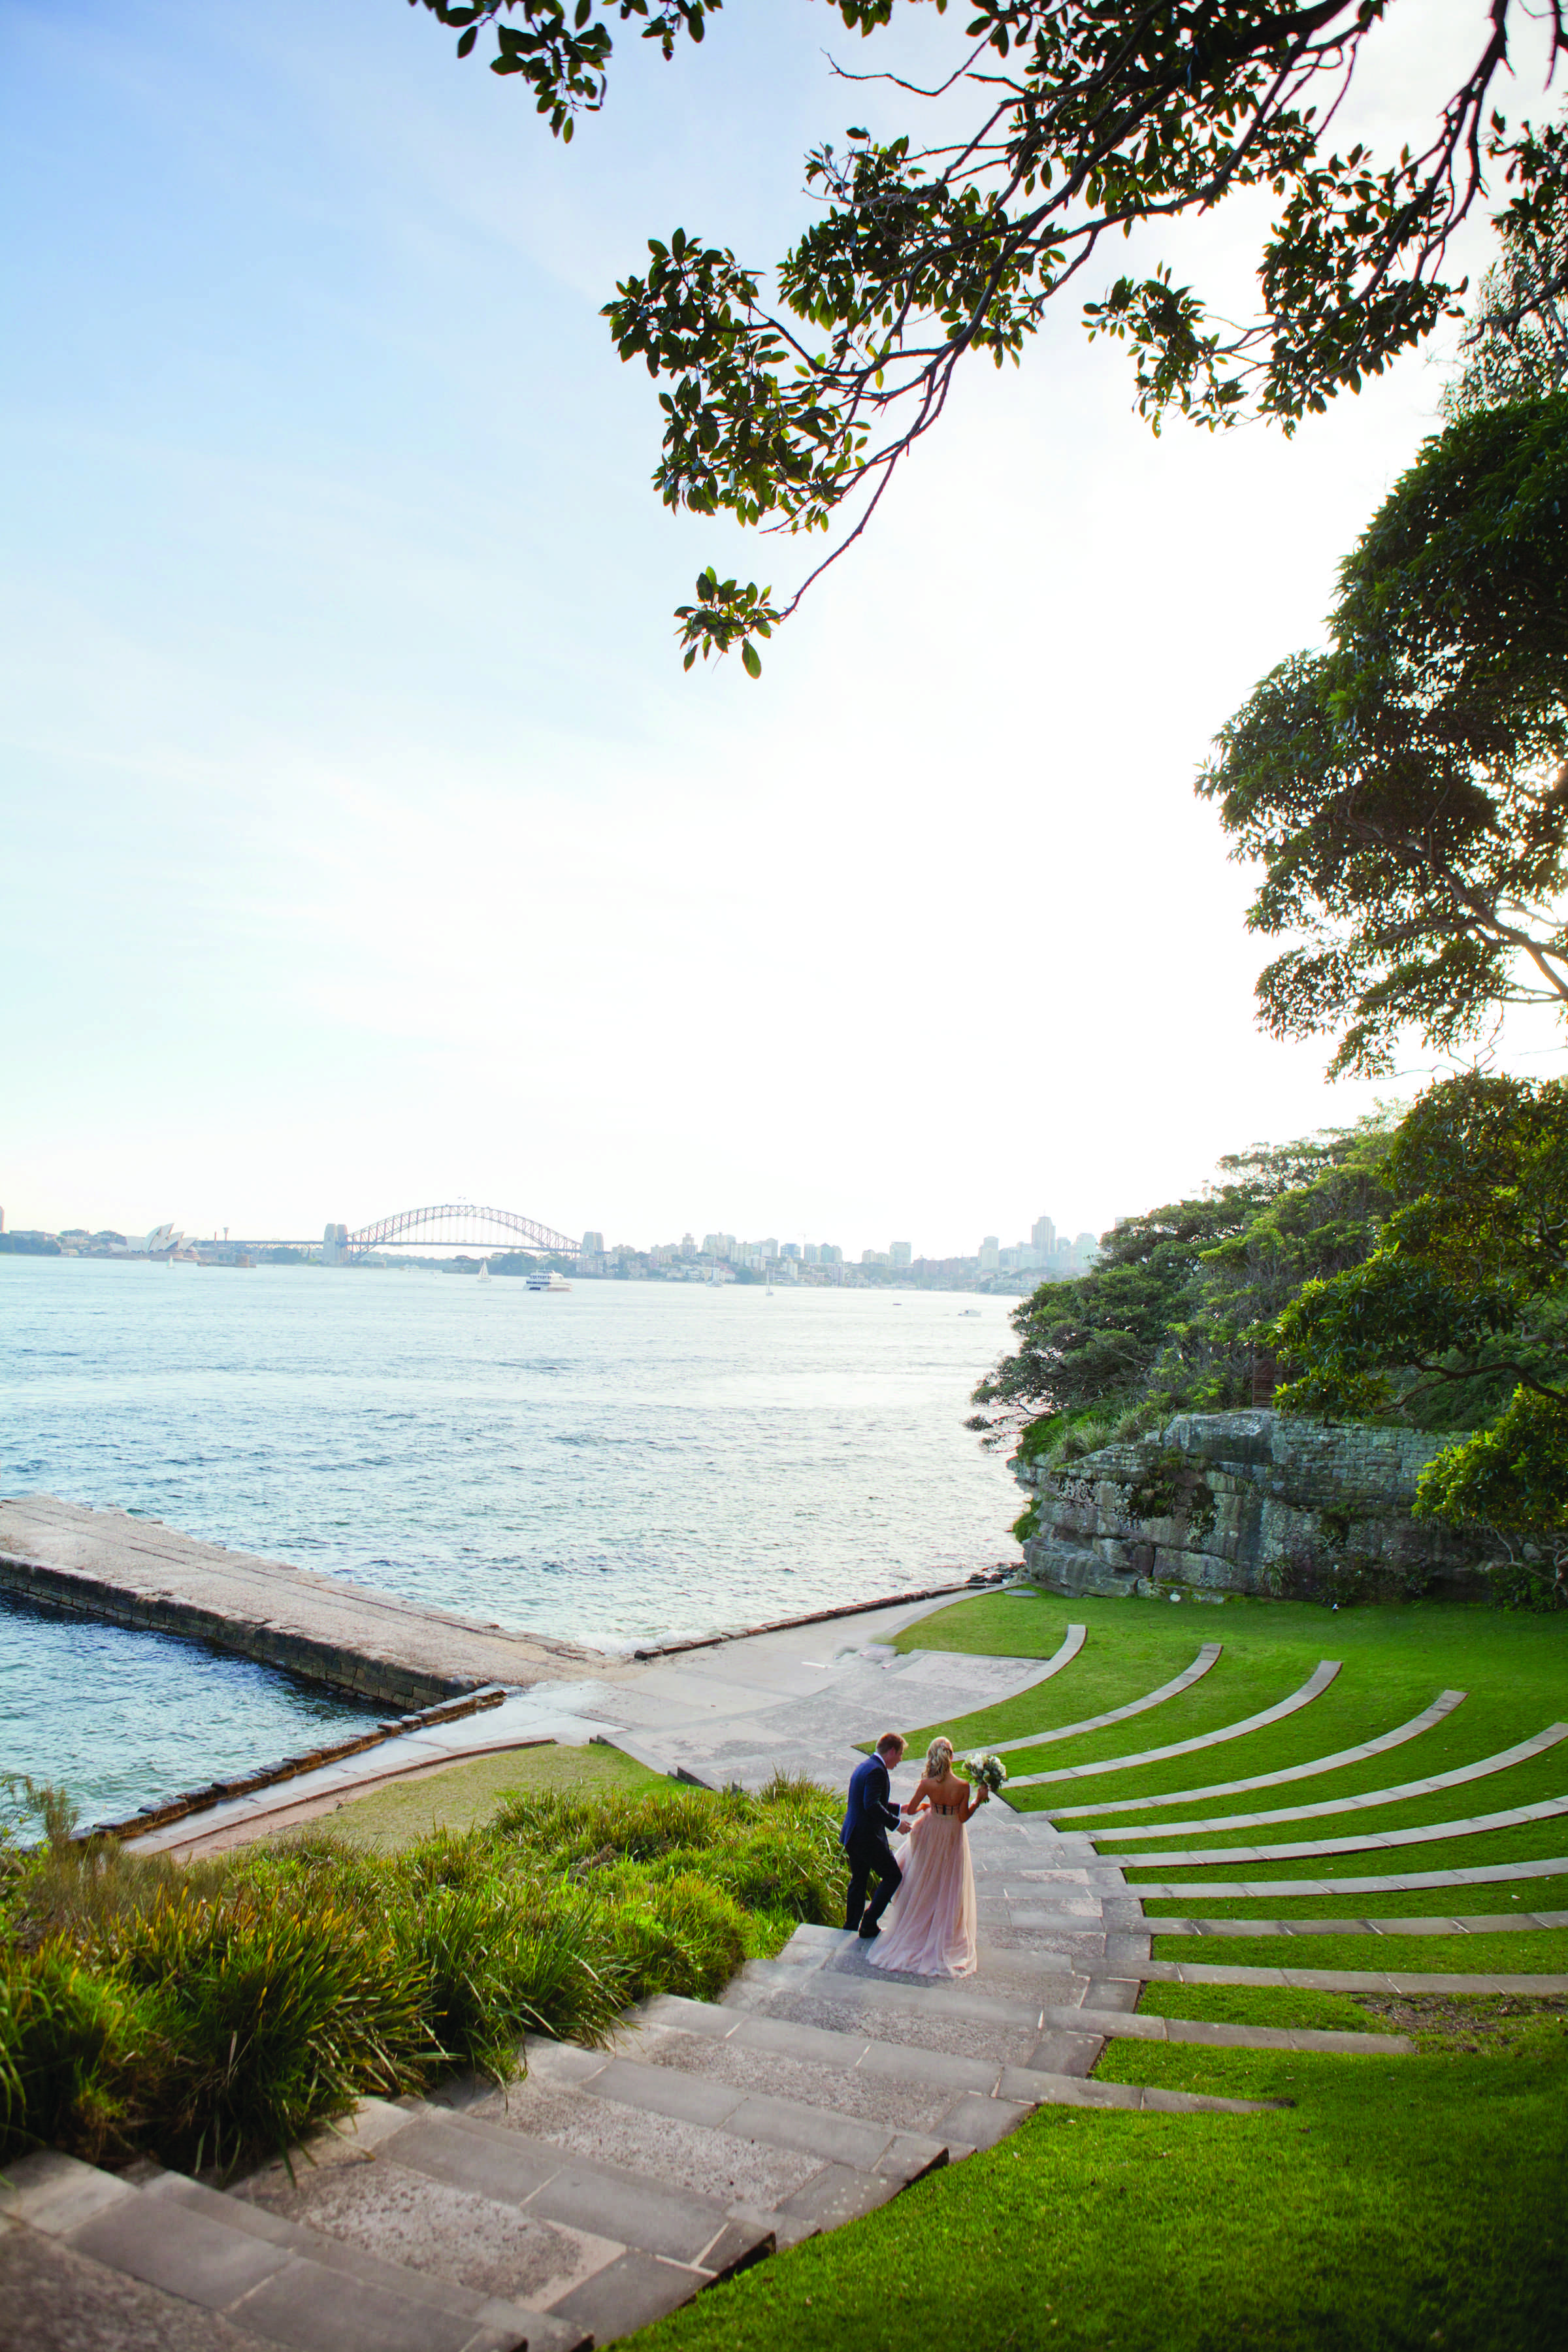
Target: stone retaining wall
x=1246 y=1502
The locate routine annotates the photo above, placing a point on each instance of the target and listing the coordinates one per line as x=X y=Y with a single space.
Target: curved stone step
x=1207 y=1657
x=1362 y=1842
x=1444 y=1704
x=1394 y=1982
x=1486 y=1923
x=1401 y=1793
x=1316 y=1684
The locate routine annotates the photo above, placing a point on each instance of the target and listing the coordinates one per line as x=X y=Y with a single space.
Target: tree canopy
x=1406 y=790
x=1459 y=1316
x=794 y=395
x=1166 y=1317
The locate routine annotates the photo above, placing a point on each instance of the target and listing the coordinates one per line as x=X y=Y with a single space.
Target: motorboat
x=548 y=1280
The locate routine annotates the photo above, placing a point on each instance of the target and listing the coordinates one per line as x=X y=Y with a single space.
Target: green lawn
x=462 y=1796
x=1399 y=2203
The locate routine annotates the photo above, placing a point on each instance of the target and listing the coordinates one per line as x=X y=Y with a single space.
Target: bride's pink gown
x=931 y=1924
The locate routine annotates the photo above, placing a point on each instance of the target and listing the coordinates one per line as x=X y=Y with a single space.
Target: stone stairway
x=609 y=2186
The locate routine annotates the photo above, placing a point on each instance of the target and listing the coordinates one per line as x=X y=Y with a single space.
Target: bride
x=932 y=1926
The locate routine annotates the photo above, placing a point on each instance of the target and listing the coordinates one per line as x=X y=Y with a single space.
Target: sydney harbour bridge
x=444 y=1225
x=449 y=1225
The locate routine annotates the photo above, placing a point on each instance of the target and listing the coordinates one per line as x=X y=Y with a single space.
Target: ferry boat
x=548 y=1281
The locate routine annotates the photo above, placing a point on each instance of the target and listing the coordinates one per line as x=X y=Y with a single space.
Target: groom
x=864 y=1836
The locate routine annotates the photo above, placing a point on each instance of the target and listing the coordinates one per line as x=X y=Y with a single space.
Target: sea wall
x=1245 y=1502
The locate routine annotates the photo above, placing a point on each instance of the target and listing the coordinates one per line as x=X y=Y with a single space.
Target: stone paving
x=1316 y=1684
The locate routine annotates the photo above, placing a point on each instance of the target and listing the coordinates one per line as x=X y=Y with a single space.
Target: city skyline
x=1043 y=1251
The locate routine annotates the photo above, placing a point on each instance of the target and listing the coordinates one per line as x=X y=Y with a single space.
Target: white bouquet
x=988 y=1770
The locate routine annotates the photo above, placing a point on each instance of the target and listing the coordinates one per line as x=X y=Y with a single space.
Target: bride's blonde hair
x=939 y=1760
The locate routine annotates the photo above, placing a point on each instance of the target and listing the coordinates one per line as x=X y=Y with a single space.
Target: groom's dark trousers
x=863 y=1837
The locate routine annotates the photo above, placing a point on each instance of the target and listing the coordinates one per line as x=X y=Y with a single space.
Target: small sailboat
x=485 y=1274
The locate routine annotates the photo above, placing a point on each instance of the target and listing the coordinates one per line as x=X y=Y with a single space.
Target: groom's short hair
x=891 y=1743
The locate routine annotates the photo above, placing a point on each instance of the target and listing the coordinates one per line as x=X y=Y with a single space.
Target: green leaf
x=750 y=660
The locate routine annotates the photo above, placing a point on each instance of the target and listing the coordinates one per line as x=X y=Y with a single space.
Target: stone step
x=1017 y=1976
x=268 y=2278
x=778 y=2090
x=936 y=2019
x=582 y=2249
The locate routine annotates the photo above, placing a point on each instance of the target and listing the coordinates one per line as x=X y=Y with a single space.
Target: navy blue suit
x=863 y=1837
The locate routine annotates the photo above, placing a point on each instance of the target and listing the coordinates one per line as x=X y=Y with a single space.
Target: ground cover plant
x=208 y=2013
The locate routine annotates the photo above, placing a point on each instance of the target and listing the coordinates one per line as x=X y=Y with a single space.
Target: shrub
x=81 y=2056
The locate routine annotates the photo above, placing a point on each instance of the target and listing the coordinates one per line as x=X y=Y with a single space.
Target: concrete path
x=1362 y=1842
x=1207 y=1656
x=1316 y=1684
x=1489 y=1924
x=802 y=1698
x=1501 y=1762
x=1444 y=1704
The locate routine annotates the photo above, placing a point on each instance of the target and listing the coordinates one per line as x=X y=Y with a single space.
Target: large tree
x=794 y=395
x=1406 y=792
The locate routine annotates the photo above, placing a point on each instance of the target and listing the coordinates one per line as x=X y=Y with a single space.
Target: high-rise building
x=594 y=1244
x=791 y=1250
x=1044 y=1237
x=769 y=1248
x=688 y=1245
x=810 y=1254
x=989 y=1255
x=829 y=1253
x=901 y=1254
x=334 y=1240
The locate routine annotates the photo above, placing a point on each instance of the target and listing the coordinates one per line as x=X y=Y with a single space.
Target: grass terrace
x=1393 y=2203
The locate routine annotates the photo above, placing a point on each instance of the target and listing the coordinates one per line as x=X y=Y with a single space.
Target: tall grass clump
x=216 y=2012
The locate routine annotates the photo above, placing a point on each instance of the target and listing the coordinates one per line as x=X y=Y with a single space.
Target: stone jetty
x=134 y=1571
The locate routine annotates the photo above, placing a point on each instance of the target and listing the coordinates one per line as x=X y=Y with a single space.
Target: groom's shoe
x=869 y=1930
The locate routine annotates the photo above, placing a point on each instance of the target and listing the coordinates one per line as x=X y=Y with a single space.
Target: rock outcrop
x=1245 y=1502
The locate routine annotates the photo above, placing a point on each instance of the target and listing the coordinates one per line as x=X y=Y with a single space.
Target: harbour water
x=621 y=1463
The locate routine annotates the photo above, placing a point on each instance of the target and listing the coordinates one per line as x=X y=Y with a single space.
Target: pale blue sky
x=364 y=842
